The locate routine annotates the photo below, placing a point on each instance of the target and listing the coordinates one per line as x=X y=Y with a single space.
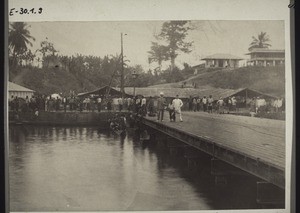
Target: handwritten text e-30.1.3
x=22 y=11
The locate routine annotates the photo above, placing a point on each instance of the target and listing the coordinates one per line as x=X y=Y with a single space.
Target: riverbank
x=70 y=118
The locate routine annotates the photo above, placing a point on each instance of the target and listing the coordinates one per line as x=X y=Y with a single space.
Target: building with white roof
x=16 y=90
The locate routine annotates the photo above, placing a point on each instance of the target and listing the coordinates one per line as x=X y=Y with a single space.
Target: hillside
x=270 y=80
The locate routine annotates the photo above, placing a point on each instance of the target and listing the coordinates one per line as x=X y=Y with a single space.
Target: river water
x=88 y=169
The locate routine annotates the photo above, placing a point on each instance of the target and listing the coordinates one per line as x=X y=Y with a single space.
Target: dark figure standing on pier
x=204 y=102
x=120 y=102
x=220 y=104
x=190 y=103
x=161 y=103
x=210 y=101
x=99 y=100
x=92 y=104
x=57 y=104
x=88 y=104
x=108 y=105
x=151 y=106
x=11 y=103
x=144 y=106
x=194 y=104
x=16 y=104
x=198 y=103
x=64 y=100
x=233 y=103
x=137 y=105
x=80 y=105
x=129 y=104
x=50 y=104
x=133 y=105
x=171 y=112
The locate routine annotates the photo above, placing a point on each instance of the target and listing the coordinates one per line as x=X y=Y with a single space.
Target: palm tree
x=260 y=42
x=18 y=39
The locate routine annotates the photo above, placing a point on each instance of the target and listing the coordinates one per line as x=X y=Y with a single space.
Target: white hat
x=161 y=93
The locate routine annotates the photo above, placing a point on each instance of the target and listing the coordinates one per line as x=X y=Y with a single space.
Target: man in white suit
x=177 y=103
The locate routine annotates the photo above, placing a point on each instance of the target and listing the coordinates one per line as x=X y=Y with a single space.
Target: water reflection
x=87 y=169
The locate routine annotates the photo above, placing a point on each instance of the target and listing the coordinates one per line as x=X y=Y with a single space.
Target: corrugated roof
x=104 y=89
x=222 y=56
x=18 y=88
x=187 y=92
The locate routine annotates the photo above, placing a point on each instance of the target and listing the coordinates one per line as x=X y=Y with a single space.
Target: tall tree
x=18 y=39
x=158 y=53
x=174 y=34
x=48 y=51
x=260 y=42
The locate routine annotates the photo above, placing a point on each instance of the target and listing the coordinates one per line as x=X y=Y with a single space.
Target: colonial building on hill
x=222 y=61
x=266 y=57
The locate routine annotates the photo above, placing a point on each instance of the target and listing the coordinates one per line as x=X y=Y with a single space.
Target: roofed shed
x=103 y=91
x=19 y=91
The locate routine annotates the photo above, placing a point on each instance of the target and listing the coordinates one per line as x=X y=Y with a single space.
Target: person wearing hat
x=161 y=103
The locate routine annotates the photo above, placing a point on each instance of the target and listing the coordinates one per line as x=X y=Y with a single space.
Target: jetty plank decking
x=256 y=141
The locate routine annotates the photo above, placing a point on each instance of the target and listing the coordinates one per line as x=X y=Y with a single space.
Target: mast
x=122 y=67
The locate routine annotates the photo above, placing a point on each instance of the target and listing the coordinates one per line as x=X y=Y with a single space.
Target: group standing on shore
x=144 y=106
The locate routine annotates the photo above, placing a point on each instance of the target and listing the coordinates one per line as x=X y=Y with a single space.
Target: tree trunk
x=159 y=65
x=172 y=63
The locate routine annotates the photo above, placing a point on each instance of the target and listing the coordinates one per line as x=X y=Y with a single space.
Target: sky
x=100 y=38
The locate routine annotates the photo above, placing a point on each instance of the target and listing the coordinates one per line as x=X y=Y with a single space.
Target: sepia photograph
x=147 y=115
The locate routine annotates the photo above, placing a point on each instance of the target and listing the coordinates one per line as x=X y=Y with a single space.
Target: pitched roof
x=222 y=56
x=265 y=50
x=194 y=92
x=17 y=88
x=103 y=91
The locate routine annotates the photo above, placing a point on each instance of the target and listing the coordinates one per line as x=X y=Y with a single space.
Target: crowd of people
x=144 y=106
x=233 y=104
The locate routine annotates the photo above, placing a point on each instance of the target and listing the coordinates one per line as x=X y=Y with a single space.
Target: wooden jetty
x=254 y=145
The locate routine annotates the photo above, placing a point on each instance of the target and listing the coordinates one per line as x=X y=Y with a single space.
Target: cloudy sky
x=103 y=38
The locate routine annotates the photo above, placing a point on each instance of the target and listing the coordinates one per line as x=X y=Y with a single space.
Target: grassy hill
x=270 y=80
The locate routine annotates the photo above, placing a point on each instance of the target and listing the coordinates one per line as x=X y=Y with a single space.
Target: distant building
x=222 y=60
x=266 y=57
x=19 y=91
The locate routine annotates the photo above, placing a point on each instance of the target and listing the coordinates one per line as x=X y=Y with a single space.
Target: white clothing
x=220 y=102
x=120 y=101
x=177 y=103
x=144 y=101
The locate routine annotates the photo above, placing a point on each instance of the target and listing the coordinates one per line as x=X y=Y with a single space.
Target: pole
x=122 y=67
